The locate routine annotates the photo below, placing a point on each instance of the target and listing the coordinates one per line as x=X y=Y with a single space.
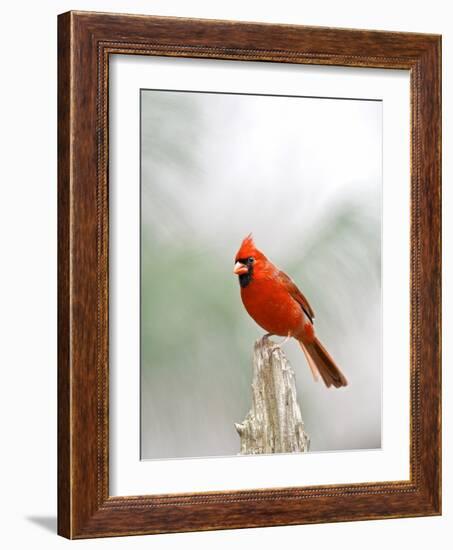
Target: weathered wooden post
x=274 y=423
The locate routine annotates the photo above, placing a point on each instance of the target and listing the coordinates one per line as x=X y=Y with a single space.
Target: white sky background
x=286 y=156
x=283 y=168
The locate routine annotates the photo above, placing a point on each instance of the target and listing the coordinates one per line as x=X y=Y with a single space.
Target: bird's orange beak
x=239 y=269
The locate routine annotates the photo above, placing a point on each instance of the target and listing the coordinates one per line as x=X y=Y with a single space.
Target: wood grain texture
x=274 y=422
x=64 y=390
x=86 y=40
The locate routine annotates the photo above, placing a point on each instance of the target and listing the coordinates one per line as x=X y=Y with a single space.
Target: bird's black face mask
x=245 y=278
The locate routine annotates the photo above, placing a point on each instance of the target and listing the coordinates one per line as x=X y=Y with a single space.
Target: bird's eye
x=250 y=260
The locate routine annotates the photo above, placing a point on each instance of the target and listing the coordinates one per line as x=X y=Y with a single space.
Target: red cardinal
x=273 y=300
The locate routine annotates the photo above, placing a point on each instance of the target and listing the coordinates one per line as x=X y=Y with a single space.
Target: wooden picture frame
x=85 y=42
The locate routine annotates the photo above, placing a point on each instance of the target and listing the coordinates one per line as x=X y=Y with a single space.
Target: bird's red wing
x=297 y=295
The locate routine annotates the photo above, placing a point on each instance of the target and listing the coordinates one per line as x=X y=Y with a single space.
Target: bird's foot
x=283 y=342
x=278 y=345
x=266 y=341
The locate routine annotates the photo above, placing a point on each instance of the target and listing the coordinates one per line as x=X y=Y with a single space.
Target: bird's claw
x=275 y=345
x=265 y=338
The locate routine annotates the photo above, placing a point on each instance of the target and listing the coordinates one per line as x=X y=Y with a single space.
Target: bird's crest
x=247 y=248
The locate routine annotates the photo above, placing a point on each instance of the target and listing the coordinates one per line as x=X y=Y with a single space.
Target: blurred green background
x=304 y=175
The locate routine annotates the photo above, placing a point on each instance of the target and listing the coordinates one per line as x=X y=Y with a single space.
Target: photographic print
x=260 y=274
x=249 y=289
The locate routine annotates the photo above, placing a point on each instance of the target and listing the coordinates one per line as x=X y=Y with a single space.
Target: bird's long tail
x=322 y=364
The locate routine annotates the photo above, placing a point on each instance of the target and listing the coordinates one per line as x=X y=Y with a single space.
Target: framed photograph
x=249 y=275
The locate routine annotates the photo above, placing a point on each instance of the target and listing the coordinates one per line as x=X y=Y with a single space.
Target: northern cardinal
x=273 y=300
